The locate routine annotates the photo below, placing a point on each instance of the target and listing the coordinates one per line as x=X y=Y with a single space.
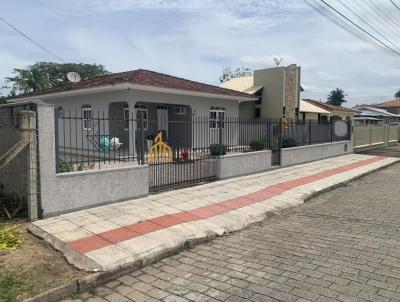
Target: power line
x=351 y=26
x=335 y=19
x=33 y=41
x=367 y=22
x=394 y=3
x=359 y=27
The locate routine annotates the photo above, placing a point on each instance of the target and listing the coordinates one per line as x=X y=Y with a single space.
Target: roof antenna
x=73 y=77
x=278 y=61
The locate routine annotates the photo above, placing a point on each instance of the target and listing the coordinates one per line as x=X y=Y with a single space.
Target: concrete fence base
x=303 y=154
x=67 y=192
x=243 y=164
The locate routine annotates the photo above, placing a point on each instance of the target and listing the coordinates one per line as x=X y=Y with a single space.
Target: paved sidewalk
x=106 y=237
x=342 y=246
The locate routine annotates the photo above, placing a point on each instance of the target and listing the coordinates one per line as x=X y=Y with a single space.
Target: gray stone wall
x=291 y=90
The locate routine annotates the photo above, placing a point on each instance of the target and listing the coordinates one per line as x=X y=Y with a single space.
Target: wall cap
x=102 y=171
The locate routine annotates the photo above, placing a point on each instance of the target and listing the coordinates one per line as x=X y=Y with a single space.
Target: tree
x=336 y=97
x=227 y=73
x=3 y=99
x=397 y=95
x=43 y=75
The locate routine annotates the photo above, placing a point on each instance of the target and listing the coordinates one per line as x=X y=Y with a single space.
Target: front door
x=162 y=118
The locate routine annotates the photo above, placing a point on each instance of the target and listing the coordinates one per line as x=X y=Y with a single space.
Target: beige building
x=335 y=112
x=278 y=89
x=310 y=111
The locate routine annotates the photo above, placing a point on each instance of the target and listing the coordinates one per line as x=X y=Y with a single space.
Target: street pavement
x=343 y=245
x=142 y=230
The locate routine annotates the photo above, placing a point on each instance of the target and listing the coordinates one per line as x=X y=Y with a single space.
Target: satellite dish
x=278 y=61
x=73 y=77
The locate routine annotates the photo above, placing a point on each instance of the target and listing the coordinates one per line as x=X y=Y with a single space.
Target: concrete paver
x=341 y=246
x=105 y=237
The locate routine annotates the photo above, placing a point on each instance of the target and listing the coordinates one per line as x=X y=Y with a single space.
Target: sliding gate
x=178 y=152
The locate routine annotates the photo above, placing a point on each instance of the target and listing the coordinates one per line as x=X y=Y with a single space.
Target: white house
x=110 y=104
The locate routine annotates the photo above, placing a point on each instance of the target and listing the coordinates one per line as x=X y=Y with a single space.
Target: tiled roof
x=389 y=104
x=141 y=77
x=329 y=107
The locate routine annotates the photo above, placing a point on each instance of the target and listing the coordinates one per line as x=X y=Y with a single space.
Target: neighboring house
x=370 y=115
x=392 y=106
x=336 y=112
x=310 y=111
x=278 y=90
x=164 y=101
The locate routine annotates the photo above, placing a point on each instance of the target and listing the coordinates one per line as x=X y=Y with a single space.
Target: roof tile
x=329 y=107
x=141 y=77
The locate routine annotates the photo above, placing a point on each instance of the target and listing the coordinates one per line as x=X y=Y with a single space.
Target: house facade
x=392 y=106
x=336 y=113
x=310 y=111
x=278 y=90
x=367 y=115
x=112 y=105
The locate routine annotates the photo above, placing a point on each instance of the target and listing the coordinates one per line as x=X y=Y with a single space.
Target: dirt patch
x=32 y=268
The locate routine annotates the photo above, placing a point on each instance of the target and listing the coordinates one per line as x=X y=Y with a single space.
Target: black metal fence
x=179 y=152
x=310 y=132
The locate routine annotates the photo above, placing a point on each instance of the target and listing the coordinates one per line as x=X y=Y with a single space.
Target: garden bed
x=33 y=267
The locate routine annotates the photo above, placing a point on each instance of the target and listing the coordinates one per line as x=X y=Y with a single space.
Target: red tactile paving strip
x=87 y=244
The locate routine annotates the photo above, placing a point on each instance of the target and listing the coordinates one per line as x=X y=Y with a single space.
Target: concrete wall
x=298 y=155
x=243 y=164
x=76 y=190
x=281 y=88
x=273 y=95
x=367 y=137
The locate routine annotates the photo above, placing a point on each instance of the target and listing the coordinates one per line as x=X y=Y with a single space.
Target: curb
x=77 y=286
x=91 y=281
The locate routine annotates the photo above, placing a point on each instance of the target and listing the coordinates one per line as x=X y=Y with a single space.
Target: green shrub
x=217 y=149
x=288 y=142
x=64 y=167
x=10 y=237
x=257 y=145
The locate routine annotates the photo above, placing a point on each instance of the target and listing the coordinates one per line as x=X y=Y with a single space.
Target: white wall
x=233 y=165
x=303 y=154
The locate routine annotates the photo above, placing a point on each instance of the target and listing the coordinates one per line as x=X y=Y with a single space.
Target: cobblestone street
x=341 y=246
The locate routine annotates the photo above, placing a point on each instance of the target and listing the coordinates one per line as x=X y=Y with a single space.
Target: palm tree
x=397 y=95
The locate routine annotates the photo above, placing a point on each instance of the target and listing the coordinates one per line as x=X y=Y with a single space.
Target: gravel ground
x=341 y=246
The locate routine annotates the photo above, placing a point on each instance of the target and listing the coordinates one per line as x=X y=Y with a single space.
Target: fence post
x=220 y=140
x=141 y=137
x=28 y=135
x=309 y=132
x=386 y=135
x=370 y=134
x=56 y=138
x=332 y=132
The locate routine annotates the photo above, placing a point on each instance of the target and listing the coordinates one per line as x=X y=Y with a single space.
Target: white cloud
x=196 y=39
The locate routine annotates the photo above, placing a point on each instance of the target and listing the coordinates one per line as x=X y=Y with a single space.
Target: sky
x=197 y=39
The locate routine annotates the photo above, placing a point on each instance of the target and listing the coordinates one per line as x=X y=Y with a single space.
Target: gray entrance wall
x=72 y=191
